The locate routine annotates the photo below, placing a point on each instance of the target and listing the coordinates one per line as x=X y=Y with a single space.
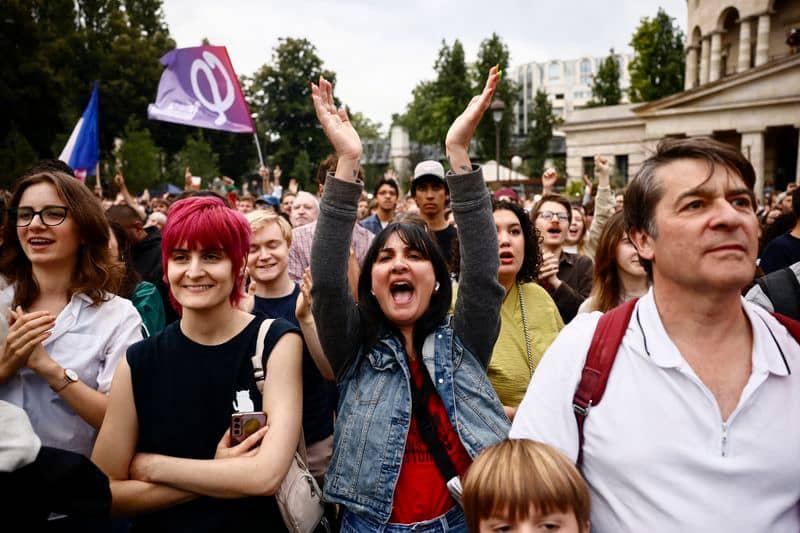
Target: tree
x=301 y=170
x=657 y=67
x=280 y=93
x=140 y=157
x=605 y=84
x=540 y=133
x=435 y=104
x=16 y=155
x=493 y=51
x=199 y=157
x=366 y=127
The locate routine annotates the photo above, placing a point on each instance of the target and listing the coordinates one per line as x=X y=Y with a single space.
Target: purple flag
x=199 y=88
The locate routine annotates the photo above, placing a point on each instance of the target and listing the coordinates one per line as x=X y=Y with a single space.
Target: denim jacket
x=375 y=400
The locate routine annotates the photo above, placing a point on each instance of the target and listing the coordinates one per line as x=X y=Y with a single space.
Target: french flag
x=82 y=151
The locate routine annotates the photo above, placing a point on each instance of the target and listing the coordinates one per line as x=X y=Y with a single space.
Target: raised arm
x=335 y=311
x=603 y=205
x=480 y=295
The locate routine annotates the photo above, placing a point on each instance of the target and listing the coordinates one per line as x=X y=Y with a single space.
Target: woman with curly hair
x=618 y=275
x=529 y=319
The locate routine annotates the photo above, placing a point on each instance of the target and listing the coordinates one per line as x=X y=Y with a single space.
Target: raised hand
x=463 y=127
x=549 y=180
x=603 y=169
x=337 y=128
x=119 y=179
x=303 y=306
x=548 y=271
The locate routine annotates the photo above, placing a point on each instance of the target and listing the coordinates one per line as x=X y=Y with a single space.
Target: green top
x=509 y=370
x=147 y=301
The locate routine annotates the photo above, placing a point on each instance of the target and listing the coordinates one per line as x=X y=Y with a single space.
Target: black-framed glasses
x=51 y=215
x=548 y=215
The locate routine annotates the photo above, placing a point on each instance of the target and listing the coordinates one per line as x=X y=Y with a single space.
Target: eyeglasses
x=548 y=215
x=52 y=215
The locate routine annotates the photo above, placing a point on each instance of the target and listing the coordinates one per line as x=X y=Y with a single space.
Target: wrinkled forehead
x=685 y=175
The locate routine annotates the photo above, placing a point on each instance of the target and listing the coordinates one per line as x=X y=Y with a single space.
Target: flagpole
x=258 y=147
x=97 y=175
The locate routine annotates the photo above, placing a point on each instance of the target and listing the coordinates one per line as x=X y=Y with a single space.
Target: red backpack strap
x=599 y=360
x=791 y=325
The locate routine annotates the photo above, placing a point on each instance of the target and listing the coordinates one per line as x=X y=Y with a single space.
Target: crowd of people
x=441 y=355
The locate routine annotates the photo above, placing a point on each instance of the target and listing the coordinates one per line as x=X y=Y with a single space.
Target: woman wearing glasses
x=67 y=329
x=567 y=277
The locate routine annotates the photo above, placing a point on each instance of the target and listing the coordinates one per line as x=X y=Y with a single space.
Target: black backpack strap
x=427 y=429
x=783 y=290
x=599 y=360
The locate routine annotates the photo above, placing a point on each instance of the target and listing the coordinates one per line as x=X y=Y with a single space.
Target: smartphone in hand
x=245 y=424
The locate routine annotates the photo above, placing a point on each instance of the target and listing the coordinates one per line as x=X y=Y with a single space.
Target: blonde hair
x=514 y=477
x=260 y=218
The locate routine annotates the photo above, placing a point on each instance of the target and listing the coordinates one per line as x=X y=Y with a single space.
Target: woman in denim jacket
x=382 y=472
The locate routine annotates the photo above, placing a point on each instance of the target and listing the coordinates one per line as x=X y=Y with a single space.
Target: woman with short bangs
x=165 y=443
x=529 y=319
x=67 y=329
x=415 y=403
x=618 y=275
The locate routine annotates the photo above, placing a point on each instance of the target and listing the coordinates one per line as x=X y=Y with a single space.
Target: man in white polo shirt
x=699 y=427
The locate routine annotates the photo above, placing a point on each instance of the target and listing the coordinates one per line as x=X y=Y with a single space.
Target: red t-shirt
x=421 y=493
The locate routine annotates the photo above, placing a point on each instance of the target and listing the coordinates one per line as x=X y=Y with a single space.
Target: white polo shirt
x=657 y=455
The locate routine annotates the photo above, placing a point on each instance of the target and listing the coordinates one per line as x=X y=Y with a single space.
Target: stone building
x=568 y=83
x=742 y=87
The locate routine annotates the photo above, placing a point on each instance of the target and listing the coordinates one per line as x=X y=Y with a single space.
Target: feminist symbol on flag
x=219 y=105
x=199 y=88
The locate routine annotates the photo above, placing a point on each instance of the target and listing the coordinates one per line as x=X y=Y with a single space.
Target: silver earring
x=436 y=287
x=372 y=292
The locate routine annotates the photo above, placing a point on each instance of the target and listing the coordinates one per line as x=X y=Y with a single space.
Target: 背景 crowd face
x=269 y=254
x=47 y=245
x=553 y=223
x=387 y=198
x=430 y=196
x=511 y=241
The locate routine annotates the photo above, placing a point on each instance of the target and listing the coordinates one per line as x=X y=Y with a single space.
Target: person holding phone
x=165 y=443
x=413 y=385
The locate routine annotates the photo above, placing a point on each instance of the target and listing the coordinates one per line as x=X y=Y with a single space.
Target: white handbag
x=299 y=496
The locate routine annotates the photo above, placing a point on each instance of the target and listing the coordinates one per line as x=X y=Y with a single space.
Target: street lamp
x=497 y=107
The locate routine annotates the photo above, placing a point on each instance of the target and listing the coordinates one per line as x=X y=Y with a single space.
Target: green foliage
x=366 y=127
x=140 y=157
x=540 y=131
x=493 y=51
x=436 y=104
x=280 y=93
x=657 y=67
x=199 y=157
x=16 y=155
x=302 y=171
x=605 y=84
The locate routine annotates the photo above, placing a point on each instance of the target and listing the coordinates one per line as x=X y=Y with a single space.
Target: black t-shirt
x=319 y=395
x=447 y=239
x=184 y=393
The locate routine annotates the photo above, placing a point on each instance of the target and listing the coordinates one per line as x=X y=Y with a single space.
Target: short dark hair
x=328 y=165
x=417 y=238
x=529 y=270
x=386 y=181
x=49 y=165
x=646 y=190
x=123 y=214
x=552 y=197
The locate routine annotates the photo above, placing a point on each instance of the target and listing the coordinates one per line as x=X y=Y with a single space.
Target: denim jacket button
x=441 y=380
x=440 y=335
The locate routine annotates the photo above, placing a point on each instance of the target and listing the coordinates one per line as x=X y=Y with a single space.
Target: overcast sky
x=381 y=49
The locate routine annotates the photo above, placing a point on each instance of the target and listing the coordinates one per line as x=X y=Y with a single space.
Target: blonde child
x=523 y=485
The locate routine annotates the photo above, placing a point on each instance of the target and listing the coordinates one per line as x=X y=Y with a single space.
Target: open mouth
x=556 y=232
x=506 y=258
x=39 y=241
x=402 y=292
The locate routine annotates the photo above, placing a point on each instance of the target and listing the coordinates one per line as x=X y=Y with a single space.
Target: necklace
x=525 y=326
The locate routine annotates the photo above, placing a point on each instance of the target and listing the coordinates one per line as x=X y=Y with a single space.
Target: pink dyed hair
x=205 y=222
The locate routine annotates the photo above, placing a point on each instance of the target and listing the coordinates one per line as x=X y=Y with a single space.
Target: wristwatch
x=70 y=377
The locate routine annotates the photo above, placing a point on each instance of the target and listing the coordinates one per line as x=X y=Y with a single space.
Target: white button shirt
x=657 y=455
x=89 y=340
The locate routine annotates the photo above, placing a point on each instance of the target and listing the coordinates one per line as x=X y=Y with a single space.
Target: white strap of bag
x=260 y=374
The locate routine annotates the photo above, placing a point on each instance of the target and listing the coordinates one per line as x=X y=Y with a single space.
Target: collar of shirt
x=769 y=338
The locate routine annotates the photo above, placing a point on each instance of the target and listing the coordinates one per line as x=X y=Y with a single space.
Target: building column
x=690 y=80
x=753 y=150
x=704 y=57
x=744 y=46
x=797 y=170
x=716 y=53
x=762 y=40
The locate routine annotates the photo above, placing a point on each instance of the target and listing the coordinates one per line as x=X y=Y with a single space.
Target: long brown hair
x=606 y=285
x=96 y=273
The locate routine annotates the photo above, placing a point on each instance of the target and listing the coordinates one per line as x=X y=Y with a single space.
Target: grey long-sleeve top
x=476 y=318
